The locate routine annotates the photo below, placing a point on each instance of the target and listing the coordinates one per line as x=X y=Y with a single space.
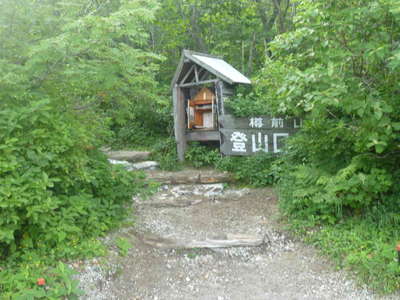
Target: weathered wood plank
x=196 y=73
x=228 y=121
x=230 y=240
x=198 y=83
x=180 y=123
x=220 y=98
x=250 y=141
x=187 y=74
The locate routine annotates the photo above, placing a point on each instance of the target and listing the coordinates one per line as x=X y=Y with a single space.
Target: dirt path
x=280 y=268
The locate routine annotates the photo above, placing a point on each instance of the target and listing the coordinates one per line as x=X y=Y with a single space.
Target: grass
x=361 y=245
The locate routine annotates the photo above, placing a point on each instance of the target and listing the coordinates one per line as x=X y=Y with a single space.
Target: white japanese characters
x=277 y=123
x=256 y=122
x=238 y=140
x=266 y=134
x=260 y=144
x=297 y=123
x=278 y=136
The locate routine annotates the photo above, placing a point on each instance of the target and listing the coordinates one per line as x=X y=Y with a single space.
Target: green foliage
x=202 y=156
x=244 y=103
x=22 y=283
x=70 y=72
x=54 y=189
x=95 y=61
x=365 y=245
x=164 y=152
x=337 y=71
x=58 y=193
x=254 y=170
x=237 y=30
x=123 y=246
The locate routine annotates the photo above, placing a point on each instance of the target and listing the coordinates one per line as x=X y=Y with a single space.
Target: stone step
x=131 y=156
x=143 y=165
x=190 y=176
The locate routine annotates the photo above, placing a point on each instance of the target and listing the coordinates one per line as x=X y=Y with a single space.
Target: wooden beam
x=203 y=74
x=180 y=122
x=198 y=83
x=196 y=74
x=187 y=74
x=229 y=240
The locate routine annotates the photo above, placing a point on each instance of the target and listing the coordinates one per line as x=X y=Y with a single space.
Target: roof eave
x=178 y=70
x=190 y=55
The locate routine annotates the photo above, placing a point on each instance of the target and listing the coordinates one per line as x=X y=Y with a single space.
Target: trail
x=168 y=262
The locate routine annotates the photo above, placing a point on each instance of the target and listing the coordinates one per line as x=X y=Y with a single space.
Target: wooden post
x=179 y=122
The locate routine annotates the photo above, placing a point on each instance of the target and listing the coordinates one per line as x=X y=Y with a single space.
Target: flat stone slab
x=190 y=176
x=132 y=156
x=145 y=165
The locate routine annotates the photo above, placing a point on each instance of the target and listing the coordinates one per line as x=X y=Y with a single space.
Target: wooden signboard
x=247 y=136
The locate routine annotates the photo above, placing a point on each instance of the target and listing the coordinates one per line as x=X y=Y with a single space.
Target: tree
x=93 y=59
x=339 y=70
x=239 y=31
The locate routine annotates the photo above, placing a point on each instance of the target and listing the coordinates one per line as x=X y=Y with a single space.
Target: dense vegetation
x=339 y=70
x=73 y=76
x=81 y=74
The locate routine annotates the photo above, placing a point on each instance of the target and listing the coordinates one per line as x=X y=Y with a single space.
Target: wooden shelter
x=200 y=85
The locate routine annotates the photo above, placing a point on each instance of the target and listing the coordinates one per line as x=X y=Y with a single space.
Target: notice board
x=247 y=136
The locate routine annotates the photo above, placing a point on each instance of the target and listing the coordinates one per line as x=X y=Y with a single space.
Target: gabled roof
x=213 y=64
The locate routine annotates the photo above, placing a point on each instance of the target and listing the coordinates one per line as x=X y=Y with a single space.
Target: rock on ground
x=281 y=268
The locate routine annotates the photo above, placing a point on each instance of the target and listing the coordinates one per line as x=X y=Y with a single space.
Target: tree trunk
x=251 y=55
x=195 y=30
x=267 y=21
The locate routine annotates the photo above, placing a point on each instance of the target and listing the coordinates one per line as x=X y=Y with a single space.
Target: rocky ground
x=164 y=262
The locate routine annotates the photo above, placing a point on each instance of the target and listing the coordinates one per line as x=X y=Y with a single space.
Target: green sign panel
x=247 y=136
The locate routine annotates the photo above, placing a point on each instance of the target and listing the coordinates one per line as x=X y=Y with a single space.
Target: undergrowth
x=351 y=213
x=254 y=170
x=58 y=194
x=364 y=245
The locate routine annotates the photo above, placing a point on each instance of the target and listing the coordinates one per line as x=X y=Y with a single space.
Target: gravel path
x=279 y=269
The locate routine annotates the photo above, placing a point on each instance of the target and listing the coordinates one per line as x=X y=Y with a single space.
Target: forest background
x=78 y=75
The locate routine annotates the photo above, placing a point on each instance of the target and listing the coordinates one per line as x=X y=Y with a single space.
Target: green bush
x=338 y=71
x=254 y=170
x=344 y=160
x=364 y=245
x=164 y=152
x=55 y=187
x=57 y=191
x=202 y=156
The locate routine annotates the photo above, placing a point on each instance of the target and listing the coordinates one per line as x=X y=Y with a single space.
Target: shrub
x=55 y=187
x=165 y=153
x=57 y=191
x=254 y=170
x=202 y=156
